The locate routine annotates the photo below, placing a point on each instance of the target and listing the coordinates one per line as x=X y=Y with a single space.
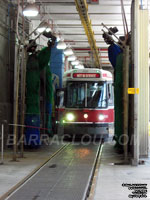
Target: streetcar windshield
x=86 y=95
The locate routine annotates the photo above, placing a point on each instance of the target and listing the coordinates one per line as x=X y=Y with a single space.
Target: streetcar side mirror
x=60 y=98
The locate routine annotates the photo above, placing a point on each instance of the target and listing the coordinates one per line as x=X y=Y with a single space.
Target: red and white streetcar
x=86 y=104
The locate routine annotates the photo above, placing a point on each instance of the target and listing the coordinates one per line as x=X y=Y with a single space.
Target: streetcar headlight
x=70 y=117
x=85 y=116
x=101 y=117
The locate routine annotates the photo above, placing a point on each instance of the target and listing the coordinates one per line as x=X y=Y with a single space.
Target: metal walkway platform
x=65 y=177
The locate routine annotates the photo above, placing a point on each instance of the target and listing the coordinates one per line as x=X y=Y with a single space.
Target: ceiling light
x=79 y=66
x=44 y=27
x=68 y=52
x=61 y=45
x=41 y=29
x=31 y=10
x=48 y=29
x=71 y=58
x=76 y=62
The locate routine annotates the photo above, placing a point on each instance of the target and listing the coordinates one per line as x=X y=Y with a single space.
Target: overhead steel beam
x=84 y=41
x=71 y=2
x=80 y=26
x=99 y=34
x=74 y=13
x=82 y=9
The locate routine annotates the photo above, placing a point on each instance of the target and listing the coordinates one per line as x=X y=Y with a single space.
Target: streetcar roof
x=88 y=74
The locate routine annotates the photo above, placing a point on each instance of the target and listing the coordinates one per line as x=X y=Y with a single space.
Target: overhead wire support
x=82 y=9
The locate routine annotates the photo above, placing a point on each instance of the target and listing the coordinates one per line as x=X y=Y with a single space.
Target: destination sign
x=86 y=75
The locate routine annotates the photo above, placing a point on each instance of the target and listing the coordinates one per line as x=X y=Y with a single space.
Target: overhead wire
x=123 y=21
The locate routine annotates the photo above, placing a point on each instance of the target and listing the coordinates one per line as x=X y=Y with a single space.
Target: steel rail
x=90 y=187
x=95 y=174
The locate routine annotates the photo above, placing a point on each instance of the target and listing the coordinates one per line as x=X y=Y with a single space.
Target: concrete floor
x=13 y=172
x=111 y=176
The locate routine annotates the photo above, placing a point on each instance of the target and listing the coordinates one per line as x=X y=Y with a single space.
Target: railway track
x=66 y=175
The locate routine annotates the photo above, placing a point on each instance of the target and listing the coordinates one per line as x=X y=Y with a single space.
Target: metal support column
x=125 y=100
x=134 y=28
x=23 y=86
x=16 y=88
x=141 y=80
x=15 y=111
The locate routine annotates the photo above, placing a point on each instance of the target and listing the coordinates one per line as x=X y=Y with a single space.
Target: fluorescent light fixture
x=61 y=45
x=68 y=52
x=71 y=58
x=31 y=10
x=76 y=62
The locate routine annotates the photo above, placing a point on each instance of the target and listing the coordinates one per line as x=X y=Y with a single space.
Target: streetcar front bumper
x=92 y=129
